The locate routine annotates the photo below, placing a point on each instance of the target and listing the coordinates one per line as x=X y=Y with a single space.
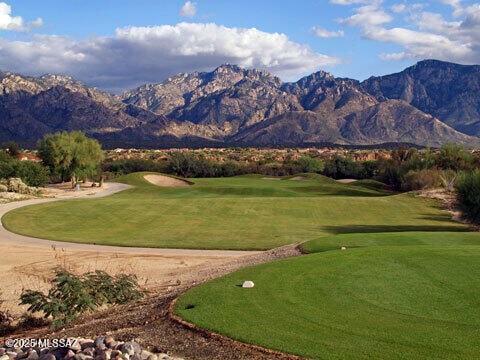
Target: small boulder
x=70 y=354
x=131 y=348
x=248 y=284
x=99 y=341
x=32 y=355
x=48 y=357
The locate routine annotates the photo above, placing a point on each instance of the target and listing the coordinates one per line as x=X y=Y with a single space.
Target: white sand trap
x=271 y=178
x=346 y=181
x=161 y=180
x=298 y=178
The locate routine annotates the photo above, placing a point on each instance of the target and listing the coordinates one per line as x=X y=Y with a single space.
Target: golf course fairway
x=239 y=213
x=418 y=300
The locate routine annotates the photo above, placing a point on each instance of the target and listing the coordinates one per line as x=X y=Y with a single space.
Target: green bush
x=454 y=157
x=31 y=173
x=72 y=295
x=468 y=195
x=127 y=166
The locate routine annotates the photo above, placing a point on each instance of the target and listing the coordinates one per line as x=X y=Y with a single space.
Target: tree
x=454 y=157
x=311 y=165
x=11 y=148
x=70 y=156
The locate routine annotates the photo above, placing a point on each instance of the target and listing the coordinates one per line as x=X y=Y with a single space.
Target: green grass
x=405 y=288
x=246 y=212
x=391 y=239
x=400 y=296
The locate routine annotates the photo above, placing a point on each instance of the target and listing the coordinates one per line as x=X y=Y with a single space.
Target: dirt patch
x=165 y=181
x=346 y=181
x=28 y=262
x=449 y=202
x=298 y=178
x=149 y=322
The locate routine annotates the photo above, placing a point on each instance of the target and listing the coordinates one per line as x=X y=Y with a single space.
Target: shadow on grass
x=340 y=191
x=440 y=217
x=352 y=229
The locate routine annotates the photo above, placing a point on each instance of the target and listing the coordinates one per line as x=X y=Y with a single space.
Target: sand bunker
x=346 y=181
x=298 y=178
x=161 y=180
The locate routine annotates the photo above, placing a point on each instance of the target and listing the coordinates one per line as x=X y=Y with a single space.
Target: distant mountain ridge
x=425 y=104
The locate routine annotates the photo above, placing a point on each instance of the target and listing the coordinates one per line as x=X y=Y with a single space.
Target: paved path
x=110 y=188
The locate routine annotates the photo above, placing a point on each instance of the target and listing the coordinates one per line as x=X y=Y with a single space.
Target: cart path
x=8 y=237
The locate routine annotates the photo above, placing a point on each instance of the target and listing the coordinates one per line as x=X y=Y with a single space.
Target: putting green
x=247 y=212
x=413 y=300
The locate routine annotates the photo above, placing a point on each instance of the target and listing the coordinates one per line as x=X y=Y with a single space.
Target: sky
x=120 y=44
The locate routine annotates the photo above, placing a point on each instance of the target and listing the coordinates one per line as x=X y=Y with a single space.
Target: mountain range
x=428 y=104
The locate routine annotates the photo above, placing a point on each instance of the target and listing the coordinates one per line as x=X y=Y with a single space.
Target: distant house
x=28 y=157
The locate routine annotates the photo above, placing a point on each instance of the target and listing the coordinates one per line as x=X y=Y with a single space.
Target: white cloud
x=35 y=24
x=456 y=5
x=324 y=33
x=135 y=55
x=15 y=23
x=8 y=22
x=367 y=16
x=430 y=35
x=188 y=9
x=399 y=8
x=433 y=22
x=422 y=45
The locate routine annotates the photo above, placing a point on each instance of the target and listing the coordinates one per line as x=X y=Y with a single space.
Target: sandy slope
x=161 y=180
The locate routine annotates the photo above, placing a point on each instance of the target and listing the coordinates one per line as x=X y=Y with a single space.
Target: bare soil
x=449 y=202
x=150 y=321
x=346 y=181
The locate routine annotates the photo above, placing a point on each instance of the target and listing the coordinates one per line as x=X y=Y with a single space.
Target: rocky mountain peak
x=232 y=105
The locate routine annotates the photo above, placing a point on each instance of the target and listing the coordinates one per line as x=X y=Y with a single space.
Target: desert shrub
x=127 y=166
x=28 y=321
x=448 y=178
x=421 y=179
x=454 y=157
x=72 y=295
x=468 y=195
x=311 y=165
x=6 y=319
x=31 y=173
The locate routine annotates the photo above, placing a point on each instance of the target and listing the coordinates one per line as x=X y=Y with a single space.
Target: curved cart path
x=27 y=262
x=110 y=188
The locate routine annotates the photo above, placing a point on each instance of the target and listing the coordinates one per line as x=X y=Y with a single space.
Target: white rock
x=248 y=284
x=343 y=248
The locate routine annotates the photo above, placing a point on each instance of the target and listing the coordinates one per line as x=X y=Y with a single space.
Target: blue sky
x=119 y=44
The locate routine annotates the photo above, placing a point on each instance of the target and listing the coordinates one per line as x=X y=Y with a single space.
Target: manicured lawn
x=228 y=213
x=413 y=300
